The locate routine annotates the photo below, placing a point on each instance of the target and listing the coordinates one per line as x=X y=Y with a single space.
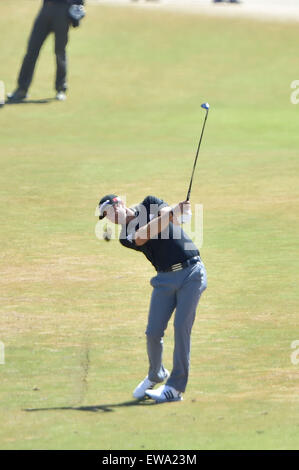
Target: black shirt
x=169 y=247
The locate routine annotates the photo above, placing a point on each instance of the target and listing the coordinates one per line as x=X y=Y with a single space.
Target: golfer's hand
x=182 y=212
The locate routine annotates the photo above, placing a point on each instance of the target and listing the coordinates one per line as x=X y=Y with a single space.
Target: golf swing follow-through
x=154 y=228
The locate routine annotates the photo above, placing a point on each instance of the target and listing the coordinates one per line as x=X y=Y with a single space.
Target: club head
x=205 y=106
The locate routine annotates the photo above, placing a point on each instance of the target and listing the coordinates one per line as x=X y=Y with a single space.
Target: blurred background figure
x=55 y=16
x=227 y=1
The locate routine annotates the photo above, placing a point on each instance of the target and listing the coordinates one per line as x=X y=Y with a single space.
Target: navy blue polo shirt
x=169 y=247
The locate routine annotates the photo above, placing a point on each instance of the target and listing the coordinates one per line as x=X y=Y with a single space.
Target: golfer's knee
x=31 y=55
x=183 y=322
x=154 y=335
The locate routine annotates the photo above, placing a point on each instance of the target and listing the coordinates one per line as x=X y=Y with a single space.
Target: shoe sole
x=140 y=398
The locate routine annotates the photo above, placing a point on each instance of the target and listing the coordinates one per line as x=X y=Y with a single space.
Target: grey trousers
x=179 y=291
x=53 y=17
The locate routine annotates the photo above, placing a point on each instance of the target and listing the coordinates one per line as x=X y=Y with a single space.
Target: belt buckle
x=177 y=267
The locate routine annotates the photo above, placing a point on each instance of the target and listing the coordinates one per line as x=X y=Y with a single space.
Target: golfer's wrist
x=166 y=213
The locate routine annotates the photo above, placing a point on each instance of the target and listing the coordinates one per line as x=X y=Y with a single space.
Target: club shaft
x=195 y=161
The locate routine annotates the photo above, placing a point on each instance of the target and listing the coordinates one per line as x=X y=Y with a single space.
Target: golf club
x=205 y=106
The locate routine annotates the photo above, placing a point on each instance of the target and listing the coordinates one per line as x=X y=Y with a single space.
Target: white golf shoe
x=164 y=394
x=61 y=96
x=146 y=384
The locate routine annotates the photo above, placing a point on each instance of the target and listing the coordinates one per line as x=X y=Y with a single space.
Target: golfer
x=154 y=229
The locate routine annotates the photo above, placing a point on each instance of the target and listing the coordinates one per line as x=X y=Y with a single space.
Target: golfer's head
x=112 y=207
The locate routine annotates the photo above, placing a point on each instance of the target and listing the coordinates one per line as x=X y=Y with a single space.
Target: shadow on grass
x=41 y=101
x=95 y=408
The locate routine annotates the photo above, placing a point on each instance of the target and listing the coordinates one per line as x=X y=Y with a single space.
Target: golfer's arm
x=154 y=227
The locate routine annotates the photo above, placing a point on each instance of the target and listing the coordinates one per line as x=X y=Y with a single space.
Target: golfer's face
x=117 y=213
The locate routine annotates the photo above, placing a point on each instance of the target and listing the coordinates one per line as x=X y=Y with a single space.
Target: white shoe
x=146 y=384
x=164 y=393
x=61 y=96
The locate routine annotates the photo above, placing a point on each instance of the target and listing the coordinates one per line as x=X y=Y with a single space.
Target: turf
x=74 y=309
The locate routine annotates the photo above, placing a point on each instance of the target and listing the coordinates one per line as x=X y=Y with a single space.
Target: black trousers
x=53 y=17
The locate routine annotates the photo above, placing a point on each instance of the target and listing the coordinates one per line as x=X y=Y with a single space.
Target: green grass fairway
x=68 y=300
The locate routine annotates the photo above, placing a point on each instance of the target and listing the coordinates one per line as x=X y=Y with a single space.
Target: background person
x=54 y=16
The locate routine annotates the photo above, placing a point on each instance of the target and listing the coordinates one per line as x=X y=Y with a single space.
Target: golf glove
x=76 y=13
x=182 y=213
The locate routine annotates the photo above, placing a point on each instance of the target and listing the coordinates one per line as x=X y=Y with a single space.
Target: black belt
x=179 y=266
